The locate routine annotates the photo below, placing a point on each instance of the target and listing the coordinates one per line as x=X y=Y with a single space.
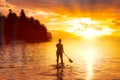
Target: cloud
x=68 y=4
x=5 y=6
x=55 y=10
x=116 y=24
x=2 y=0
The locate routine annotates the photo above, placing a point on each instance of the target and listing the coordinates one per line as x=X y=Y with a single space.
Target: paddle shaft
x=66 y=55
x=70 y=60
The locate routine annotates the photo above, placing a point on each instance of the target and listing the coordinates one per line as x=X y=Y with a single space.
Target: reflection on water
x=89 y=57
x=93 y=60
x=60 y=74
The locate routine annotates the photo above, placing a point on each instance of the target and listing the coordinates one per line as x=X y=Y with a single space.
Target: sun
x=88 y=28
x=90 y=33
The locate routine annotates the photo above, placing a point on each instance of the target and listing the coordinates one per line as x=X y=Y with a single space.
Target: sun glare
x=88 y=28
x=90 y=33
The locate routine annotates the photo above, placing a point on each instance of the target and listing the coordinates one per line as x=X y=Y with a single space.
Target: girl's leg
x=57 y=60
x=61 y=56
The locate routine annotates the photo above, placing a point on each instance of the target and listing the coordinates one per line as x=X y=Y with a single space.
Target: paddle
x=70 y=60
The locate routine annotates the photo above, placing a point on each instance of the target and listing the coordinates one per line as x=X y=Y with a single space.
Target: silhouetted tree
x=10 y=22
x=24 y=28
x=31 y=20
x=22 y=15
x=1 y=27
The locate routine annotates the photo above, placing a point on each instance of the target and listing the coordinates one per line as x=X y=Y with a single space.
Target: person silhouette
x=59 y=52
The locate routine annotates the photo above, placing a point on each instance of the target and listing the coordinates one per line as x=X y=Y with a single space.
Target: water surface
x=93 y=60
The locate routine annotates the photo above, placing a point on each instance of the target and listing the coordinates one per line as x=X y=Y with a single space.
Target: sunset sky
x=77 y=16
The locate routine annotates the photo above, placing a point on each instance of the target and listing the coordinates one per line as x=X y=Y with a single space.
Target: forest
x=23 y=28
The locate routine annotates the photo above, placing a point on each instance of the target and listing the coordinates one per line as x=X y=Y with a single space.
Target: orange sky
x=73 y=8
x=57 y=14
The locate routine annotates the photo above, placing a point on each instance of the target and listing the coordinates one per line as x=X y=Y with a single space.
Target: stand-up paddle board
x=59 y=66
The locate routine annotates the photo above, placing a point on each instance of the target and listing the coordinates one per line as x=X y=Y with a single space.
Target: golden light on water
x=90 y=55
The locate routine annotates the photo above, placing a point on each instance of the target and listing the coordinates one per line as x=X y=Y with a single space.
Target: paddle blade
x=70 y=60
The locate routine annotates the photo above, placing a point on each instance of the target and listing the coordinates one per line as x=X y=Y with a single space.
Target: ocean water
x=93 y=60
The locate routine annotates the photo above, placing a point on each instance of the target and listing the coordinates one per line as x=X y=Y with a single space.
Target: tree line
x=13 y=27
